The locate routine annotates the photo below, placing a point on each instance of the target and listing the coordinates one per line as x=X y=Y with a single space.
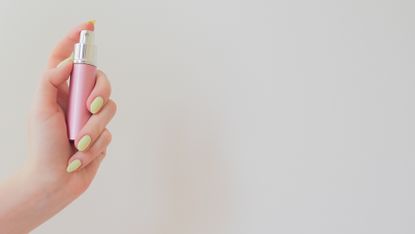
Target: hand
x=58 y=170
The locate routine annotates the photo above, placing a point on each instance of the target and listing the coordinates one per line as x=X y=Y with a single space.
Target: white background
x=234 y=116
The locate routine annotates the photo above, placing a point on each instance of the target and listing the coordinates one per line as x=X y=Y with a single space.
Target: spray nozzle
x=86 y=37
x=85 y=50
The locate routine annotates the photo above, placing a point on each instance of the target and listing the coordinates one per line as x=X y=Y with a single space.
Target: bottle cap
x=85 y=51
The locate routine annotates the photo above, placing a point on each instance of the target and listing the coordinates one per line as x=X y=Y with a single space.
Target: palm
x=49 y=143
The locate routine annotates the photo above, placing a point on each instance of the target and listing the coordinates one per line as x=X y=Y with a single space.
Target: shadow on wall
x=194 y=172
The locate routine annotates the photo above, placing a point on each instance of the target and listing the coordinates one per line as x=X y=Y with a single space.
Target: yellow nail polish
x=73 y=166
x=92 y=22
x=83 y=143
x=96 y=105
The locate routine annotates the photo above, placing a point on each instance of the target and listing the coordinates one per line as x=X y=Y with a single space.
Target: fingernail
x=65 y=61
x=92 y=22
x=73 y=166
x=96 y=105
x=83 y=143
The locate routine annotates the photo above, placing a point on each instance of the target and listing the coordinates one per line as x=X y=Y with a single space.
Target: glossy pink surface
x=81 y=84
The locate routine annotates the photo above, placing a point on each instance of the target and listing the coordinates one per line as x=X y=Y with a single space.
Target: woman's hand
x=58 y=170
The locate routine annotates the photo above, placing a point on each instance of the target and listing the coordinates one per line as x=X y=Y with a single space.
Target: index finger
x=65 y=47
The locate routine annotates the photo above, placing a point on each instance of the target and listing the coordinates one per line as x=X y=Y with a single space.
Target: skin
x=43 y=187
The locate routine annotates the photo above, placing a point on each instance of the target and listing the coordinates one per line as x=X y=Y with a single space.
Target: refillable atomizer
x=82 y=81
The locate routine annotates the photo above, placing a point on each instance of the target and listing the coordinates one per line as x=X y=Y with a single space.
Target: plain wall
x=234 y=117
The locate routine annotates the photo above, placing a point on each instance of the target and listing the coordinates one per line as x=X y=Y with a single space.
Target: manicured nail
x=73 y=166
x=65 y=61
x=96 y=105
x=83 y=143
x=92 y=22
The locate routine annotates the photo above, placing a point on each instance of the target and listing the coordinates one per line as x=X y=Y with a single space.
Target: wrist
x=23 y=204
x=30 y=199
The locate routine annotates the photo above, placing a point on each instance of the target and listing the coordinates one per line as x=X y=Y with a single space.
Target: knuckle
x=46 y=75
x=105 y=82
x=106 y=89
x=99 y=128
x=95 y=130
x=109 y=87
x=107 y=136
x=112 y=106
x=100 y=73
x=102 y=142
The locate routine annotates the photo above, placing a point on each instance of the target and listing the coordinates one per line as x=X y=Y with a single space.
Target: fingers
x=64 y=48
x=95 y=125
x=94 y=138
x=50 y=84
x=82 y=159
x=100 y=94
x=53 y=88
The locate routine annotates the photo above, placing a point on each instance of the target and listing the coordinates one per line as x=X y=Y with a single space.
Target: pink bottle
x=82 y=82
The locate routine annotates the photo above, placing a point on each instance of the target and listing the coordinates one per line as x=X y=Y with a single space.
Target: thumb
x=46 y=98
